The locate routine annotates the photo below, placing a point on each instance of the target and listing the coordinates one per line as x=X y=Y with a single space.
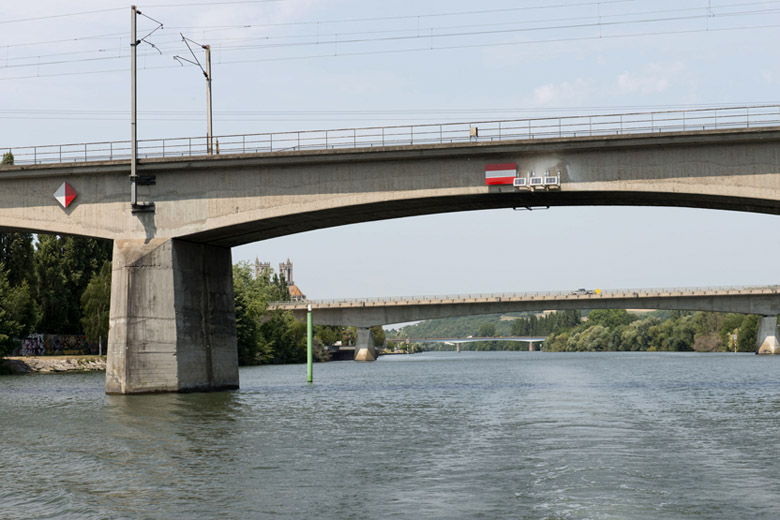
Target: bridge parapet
x=531 y=129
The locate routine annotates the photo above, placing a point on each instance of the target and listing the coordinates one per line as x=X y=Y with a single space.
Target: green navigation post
x=309 y=353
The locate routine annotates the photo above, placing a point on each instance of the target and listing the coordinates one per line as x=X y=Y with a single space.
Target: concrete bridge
x=531 y=340
x=172 y=315
x=366 y=313
x=470 y=339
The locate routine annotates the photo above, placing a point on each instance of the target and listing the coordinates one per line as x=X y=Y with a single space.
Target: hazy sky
x=308 y=64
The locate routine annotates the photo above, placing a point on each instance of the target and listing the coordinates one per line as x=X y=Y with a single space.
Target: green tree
x=286 y=337
x=747 y=337
x=638 y=335
x=82 y=259
x=8 y=157
x=63 y=268
x=95 y=305
x=251 y=300
x=729 y=328
x=487 y=330
x=378 y=333
x=10 y=328
x=328 y=335
x=556 y=342
x=610 y=318
x=594 y=338
x=16 y=252
x=52 y=286
x=678 y=333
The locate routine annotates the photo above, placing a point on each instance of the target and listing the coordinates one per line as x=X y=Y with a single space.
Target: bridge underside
x=248 y=232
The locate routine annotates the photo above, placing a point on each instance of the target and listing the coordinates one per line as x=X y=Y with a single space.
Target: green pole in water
x=309 y=353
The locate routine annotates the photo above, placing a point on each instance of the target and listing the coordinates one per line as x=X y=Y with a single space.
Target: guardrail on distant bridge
x=382 y=136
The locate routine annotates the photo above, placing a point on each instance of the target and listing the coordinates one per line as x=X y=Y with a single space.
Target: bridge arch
x=229 y=200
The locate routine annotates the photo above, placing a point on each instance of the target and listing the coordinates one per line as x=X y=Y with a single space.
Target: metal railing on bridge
x=386 y=136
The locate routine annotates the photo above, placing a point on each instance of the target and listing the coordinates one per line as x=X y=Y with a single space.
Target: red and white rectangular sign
x=500 y=173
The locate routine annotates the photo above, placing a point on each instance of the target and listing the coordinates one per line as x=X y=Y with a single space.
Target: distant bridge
x=469 y=339
x=369 y=312
x=531 y=340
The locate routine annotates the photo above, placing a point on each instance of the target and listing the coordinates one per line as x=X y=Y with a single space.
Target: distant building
x=286 y=272
x=261 y=268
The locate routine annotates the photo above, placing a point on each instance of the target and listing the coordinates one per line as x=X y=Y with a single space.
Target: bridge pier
x=767 y=336
x=364 y=349
x=172 y=320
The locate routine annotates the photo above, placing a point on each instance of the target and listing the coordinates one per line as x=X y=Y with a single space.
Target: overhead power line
x=97 y=11
x=419 y=49
x=601 y=19
x=64 y=15
x=425 y=35
x=429 y=35
x=211 y=4
x=394 y=115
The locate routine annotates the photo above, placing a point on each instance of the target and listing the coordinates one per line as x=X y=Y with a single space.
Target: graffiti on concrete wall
x=54 y=345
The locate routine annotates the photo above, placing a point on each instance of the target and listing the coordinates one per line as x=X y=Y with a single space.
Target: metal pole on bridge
x=133 y=108
x=309 y=350
x=208 y=99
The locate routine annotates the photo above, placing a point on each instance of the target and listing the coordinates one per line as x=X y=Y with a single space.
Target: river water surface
x=437 y=435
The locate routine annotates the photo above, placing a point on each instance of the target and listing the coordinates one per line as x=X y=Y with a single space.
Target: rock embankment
x=26 y=365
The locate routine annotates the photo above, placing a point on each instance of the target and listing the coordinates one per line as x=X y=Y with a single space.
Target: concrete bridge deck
x=368 y=312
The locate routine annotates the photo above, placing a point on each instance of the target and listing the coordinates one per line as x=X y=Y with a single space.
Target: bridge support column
x=364 y=349
x=172 y=319
x=767 y=336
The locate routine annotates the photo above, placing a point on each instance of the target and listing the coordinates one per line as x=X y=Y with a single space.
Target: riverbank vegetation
x=599 y=330
x=47 y=285
x=276 y=337
x=62 y=285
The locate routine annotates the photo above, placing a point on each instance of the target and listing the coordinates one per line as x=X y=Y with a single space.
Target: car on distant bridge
x=582 y=290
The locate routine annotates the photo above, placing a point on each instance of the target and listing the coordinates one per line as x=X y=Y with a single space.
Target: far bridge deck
x=367 y=312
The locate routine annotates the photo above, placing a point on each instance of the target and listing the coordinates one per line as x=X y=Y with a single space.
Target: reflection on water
x=470 y=435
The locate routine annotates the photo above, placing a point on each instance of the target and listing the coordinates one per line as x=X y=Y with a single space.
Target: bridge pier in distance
x=767 y=336
x=364 y=349
x=172 y=319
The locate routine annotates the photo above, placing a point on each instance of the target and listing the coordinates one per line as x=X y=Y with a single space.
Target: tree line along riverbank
x=55 y=294
x=61 y=286
x=598 y=330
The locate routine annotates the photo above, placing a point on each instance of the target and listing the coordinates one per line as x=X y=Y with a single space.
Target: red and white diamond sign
x=65 y=194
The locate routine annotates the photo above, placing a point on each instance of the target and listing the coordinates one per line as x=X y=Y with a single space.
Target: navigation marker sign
x=65 y=194
x=497 y=174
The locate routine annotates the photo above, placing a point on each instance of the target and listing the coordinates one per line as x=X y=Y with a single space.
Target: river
x=516 y=435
